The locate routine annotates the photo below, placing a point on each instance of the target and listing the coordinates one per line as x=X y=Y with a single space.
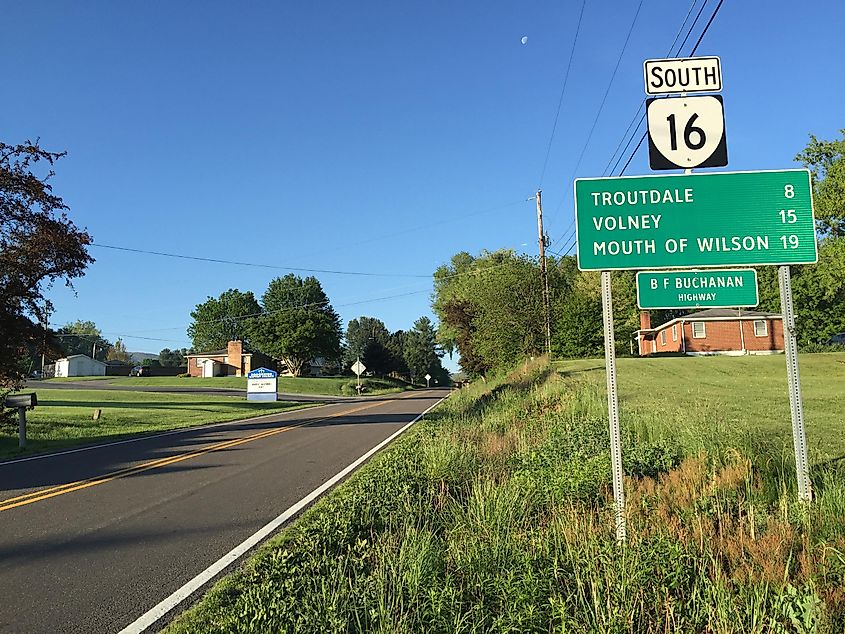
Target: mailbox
x=16 y=401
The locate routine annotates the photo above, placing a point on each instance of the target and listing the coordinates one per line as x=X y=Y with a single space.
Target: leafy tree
x=490 y=308
x=39 y=245
x=826 y=162
x=421 y=353
x=118 y=352
x=396 y=348
x=173 y=358
x=151 y=363
x=298 y=323
x=579 y=331
x=219 y=320
x=367 y=338
x=83 y=337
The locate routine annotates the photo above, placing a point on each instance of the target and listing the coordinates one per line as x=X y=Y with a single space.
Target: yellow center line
x=44 y=494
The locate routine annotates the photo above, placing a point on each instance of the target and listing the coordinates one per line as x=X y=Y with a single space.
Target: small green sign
x=697 y=289
x=707 y=220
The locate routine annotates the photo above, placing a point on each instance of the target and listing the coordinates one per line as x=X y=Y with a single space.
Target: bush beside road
x=495 y=514
x=65 y=417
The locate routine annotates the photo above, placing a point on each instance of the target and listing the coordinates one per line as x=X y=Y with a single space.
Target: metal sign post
x=796 y=406
x=613 y=407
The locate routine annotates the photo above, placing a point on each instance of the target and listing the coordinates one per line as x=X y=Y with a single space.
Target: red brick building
x=233 y=361
x=713 y=331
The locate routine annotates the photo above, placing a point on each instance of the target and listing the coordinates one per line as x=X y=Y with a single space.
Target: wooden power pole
x=547 y=310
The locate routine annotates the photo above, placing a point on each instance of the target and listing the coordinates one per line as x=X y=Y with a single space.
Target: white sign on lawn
x=261 y=385
x=358 y=368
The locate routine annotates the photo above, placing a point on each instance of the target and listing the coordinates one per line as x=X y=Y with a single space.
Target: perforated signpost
x=694 y=221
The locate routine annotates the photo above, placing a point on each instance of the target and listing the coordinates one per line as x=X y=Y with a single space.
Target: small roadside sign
x=262 y=385
x=722 y=288
x=686 y=132
x=358 y=368
x=684 y=74
x=427 y=380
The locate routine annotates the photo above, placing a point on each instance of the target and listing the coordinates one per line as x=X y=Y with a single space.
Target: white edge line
x=153 y=615
x=182 y=430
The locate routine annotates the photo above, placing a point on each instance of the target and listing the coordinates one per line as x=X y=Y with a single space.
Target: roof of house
x=216 y=353
x=713 y=314
x=76 y=356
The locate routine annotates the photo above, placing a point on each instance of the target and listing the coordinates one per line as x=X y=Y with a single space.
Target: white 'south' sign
x=688 y=74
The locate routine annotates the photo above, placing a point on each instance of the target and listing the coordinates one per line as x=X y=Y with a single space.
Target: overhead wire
x=570 y=227
x=562 y=92
x=606 y=93
x=690 y=54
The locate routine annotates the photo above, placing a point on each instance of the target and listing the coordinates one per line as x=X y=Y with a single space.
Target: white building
x=80 y=365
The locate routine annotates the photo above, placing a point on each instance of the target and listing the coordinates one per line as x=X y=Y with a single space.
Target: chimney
x=645 y=320
x=234 y=356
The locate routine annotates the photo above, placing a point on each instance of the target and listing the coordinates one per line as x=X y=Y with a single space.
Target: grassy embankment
x=330 y=386
x=65 y=417
x=494 y=514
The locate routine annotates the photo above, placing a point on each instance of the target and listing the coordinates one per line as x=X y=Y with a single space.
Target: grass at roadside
x=732 y=402
x=495 y=515
x=331 y=386
x=65 y=417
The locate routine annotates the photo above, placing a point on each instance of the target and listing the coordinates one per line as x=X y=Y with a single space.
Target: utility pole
x=46 y=324
x=541 y=240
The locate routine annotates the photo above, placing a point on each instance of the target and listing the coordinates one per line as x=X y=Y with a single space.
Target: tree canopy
x=298 y=323
x=83 y=337
x=219 y=320
x=368 y=338
x=173 y=358
x=826 y=162
x=39 y=245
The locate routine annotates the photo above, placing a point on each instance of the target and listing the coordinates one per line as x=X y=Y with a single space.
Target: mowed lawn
x=66 y=417
x=719 y=401
x=329 y=386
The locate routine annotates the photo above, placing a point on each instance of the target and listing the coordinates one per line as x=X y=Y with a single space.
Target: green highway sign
x=721 y=288
x=715 y=219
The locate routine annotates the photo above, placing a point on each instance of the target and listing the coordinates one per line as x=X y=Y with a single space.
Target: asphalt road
x=90 y=540
x=105 y=384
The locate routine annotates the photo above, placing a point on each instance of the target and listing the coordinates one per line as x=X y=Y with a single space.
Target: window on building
x=698 y=330
x=675 y=332
x=760 y=328
x=662 y=337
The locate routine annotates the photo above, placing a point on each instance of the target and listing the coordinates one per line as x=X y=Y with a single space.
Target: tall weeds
x=494 y=515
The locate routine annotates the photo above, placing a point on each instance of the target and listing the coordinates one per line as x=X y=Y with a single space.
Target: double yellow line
x=78 y=485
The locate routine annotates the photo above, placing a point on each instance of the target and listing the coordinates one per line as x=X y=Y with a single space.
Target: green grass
x=495 y=515
x=65 y=417
x=330 y=386
x=741 y=402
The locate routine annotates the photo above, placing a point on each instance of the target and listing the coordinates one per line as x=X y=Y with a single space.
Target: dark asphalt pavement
x=90 y=540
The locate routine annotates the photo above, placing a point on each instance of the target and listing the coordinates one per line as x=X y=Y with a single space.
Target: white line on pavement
x=149 y=618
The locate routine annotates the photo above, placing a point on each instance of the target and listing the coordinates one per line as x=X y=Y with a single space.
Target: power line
x=604 y=98
x=691 y=53
x=252 y=264
x=642 y=117
x=562 y=91
x=607 y=90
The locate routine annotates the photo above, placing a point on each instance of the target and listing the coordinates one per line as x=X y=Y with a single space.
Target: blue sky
x=371 y=136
